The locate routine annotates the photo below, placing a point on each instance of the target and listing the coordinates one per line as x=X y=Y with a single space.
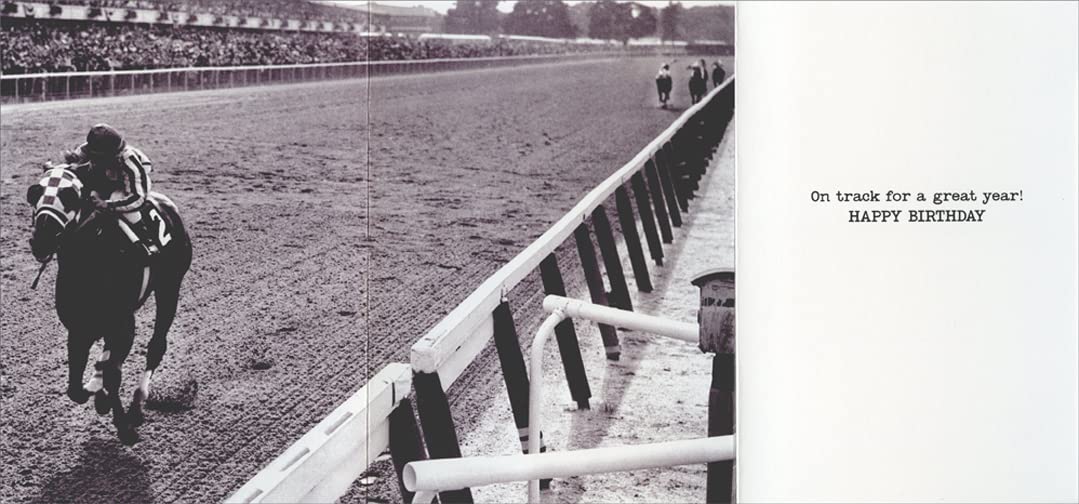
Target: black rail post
x=611 y=262
x=513 y=369
x=595 y=288
x=657 y=200
x=720 y=481
x=406 y=445
x=668 y=188
x=633 y=240
x=648 y=221
x=676 y=175
x=566 y=336
x=438 y=430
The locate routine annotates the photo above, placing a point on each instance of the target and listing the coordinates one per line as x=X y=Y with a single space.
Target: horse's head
x=57 y=201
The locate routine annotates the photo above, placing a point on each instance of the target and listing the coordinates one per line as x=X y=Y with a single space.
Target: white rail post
x=535 y=394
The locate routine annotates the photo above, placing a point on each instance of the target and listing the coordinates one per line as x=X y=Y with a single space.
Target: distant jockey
x=718 y=74
x=697 y=83
x=119 y=179
x=663 y=84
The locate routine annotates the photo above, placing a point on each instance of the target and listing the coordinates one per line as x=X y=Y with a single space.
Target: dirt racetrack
x=333 y=224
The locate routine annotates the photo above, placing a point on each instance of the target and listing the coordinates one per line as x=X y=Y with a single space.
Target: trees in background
x=472 y=16
x=643 y=23
x=609 y=20
x=540 y=18
x=670 y=21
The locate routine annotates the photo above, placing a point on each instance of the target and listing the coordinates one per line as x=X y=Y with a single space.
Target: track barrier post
x=633 y=241
x=513 y=371
x=648 y=220
x=438 y=430
x=619 y=295
x=566 y=336
x=595 y=288
x=668 y=188
x=406 y=445
x=657 y=201
x=678 y=178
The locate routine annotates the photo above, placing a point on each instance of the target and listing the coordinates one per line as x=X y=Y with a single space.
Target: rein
x=44 y=265
x=79 y=226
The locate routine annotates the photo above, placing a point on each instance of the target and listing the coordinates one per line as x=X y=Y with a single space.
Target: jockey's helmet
x=103 y=142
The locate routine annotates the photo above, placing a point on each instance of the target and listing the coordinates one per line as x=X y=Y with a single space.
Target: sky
x=442 y=6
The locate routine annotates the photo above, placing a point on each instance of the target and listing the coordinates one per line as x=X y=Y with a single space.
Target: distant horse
x=663 y=87
x=698 y=85
x=718 y=74
x=100 y=284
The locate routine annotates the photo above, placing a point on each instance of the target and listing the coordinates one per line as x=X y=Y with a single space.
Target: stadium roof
x=385 y=9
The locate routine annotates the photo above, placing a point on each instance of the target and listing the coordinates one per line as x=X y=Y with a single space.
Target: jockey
x=718 y=74
x=118 y=177
x=663 y=84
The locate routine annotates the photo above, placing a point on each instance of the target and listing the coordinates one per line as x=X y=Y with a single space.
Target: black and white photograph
x=484 y=251
x=367 y=251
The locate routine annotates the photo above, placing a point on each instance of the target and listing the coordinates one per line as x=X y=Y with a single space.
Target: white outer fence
x=325 y=461
x=322 y=465
x=16 y=88
x=450 y=346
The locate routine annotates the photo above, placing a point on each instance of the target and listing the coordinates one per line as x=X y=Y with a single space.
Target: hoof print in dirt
x=174 y=399
x=259 y=363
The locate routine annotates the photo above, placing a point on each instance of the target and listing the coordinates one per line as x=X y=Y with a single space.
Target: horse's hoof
x=78 y=394
x=128 y=435
x=134 y=416
x=101 y=402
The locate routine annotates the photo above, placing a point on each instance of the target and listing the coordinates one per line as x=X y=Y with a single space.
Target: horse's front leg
x=119 y=343
x=78 y=351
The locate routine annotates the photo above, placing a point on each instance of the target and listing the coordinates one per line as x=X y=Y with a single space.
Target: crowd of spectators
x=57 y=46
x=275 y=9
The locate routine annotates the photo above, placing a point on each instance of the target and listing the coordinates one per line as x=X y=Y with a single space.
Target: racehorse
x=698 y=84
x=101 y=282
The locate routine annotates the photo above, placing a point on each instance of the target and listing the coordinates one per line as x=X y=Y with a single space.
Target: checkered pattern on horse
x=56 y=179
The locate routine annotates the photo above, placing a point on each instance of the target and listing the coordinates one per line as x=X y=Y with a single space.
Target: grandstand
x=111 y=35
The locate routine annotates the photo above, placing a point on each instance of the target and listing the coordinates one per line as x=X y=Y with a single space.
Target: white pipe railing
x=535 y=393
x=574 y=308
x=427 y=477
x=562 y=308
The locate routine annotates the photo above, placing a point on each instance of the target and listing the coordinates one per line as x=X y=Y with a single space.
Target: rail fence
x=17 y=88
x=662 y=179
